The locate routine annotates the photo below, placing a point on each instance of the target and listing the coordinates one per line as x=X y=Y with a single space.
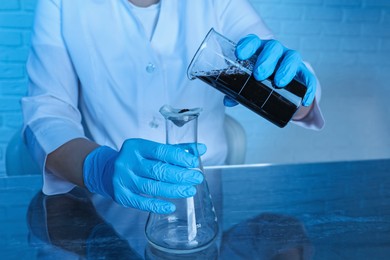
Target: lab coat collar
x=167 y=27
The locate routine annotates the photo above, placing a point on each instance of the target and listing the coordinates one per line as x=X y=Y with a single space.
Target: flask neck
x=182 y=128
x=187 y=133
x=181 y=125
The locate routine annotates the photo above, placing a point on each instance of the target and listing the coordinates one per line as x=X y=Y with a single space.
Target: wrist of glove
x=98 y=166
x=275 y=59
x=143 y=170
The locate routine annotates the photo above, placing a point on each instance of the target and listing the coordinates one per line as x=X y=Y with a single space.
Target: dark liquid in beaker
x=256 y=95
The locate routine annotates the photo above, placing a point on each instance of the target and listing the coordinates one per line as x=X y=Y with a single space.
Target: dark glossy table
x=337 y=210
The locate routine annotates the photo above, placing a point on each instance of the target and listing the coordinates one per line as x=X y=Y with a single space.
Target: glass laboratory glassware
x=210 y=253
x=215 y=63
x=193 y=226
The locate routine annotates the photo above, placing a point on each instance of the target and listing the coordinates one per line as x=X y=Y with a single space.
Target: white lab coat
x=94 y=73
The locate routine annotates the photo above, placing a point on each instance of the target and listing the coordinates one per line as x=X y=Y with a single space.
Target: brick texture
x=16 y=18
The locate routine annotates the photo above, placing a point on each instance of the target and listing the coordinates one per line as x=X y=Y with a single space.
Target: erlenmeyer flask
x=193 y=226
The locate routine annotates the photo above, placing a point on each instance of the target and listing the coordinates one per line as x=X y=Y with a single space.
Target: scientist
x=99 y=70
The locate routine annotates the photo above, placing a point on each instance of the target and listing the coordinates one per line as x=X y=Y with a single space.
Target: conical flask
x=193 y=226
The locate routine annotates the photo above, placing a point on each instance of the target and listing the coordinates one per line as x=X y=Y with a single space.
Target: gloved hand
x=274 y=57
x=143 y=167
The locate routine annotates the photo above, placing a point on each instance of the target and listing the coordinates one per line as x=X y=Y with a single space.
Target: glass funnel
x=193 y=226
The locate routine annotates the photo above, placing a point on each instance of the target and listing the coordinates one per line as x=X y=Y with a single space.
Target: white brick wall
x=16 y=18
x=347 y=41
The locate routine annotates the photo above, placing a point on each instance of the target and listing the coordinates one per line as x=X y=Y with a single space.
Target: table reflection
x=267 y=236
x=70 y=223
x=69 y=226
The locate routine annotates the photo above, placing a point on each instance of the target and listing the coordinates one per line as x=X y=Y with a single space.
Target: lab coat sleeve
x=51 y=117
x=238 y=18
x=314 y=119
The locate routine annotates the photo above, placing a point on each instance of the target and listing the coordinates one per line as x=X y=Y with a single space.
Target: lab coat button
x=154 y=123
x=150 y=67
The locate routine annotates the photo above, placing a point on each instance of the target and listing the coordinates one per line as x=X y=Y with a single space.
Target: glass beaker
x=193 y=226
x=215 y=63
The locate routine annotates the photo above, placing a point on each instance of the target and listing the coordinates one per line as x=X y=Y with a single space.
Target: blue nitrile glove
x=141 y=168
x=274 y=57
